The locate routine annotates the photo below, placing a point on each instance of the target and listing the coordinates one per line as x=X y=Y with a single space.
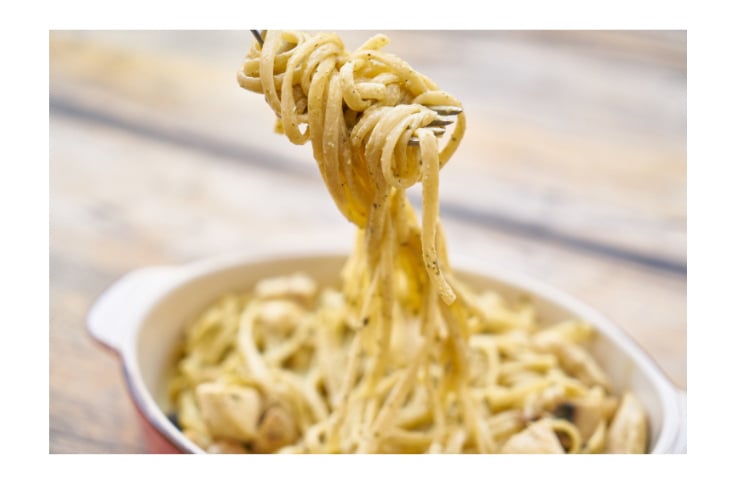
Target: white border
x=376 y=14
x=714 y=238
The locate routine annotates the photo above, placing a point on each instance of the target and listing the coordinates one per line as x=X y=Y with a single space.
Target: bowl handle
x=681 y=442
x=112 y=318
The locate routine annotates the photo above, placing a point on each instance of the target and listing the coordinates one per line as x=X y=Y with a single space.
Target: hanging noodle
x=403 y=358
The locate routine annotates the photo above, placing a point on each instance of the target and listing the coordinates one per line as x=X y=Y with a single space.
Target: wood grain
x=572 y=171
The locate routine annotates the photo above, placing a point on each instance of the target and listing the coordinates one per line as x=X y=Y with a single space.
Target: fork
x=437 y=126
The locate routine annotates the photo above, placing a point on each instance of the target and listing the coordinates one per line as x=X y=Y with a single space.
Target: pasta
x=403 y=357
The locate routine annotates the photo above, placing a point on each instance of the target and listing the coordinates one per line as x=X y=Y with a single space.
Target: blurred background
x=572 y=170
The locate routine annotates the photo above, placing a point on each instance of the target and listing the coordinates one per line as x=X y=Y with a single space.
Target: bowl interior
x=165 y=324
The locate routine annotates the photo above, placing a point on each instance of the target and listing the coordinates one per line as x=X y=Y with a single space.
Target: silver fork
x=437 y=126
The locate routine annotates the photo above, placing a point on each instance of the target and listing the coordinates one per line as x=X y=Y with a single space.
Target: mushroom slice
x=586 y=414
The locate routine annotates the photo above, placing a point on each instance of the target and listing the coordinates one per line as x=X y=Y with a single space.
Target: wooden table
x=573 y=171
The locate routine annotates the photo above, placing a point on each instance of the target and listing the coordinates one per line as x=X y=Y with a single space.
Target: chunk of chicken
x=596 y=443
x=627 y=433
x=575 y=359
x=201 y=440
x=230 y=412
x=280 y=316
x=226 y=447
x=277 y=429
x=299 y=287
x=537 y=438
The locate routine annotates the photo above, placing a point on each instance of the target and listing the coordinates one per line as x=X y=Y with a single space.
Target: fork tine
x=440 y=122
x=437 y=125
x=258 y=37
x=437 y=131
x=446 y=110
x=415 y=141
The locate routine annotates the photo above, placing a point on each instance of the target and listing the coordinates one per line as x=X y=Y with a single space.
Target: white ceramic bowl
x=145 y=313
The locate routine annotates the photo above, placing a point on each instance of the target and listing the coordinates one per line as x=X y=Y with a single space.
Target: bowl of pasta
x=262 y=353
